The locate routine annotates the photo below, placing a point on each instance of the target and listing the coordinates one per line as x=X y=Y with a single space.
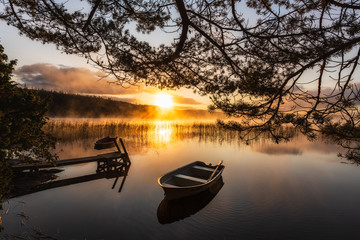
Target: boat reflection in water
x=171 y=210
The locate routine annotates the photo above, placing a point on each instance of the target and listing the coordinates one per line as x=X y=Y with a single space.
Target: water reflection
x=27 y=182
x=162 y=133
x=142 y=136
x=298 y=146
x=173 y=210
x=139 y=136
x=293 y=190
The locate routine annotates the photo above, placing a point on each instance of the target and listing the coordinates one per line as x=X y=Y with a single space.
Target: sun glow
x=163 y=131
x=163 y=100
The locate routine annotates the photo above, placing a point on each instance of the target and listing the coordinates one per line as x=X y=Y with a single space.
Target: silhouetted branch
x=93 y=10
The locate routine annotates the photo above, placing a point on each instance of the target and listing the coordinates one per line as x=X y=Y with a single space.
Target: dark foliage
x=22 y=117
x=80 y=106
x=73 y=105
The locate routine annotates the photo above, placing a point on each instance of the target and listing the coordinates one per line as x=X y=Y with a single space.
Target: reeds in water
x=143 y=132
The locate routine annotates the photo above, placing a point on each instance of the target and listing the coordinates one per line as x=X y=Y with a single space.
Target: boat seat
x=190 y=180
x=169 y=185
x=202 y=172
x=203 y=168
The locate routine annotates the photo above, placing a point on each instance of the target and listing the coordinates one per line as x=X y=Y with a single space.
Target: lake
x=293 y=190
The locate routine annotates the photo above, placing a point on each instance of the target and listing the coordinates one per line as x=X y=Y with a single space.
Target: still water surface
x=294 y=190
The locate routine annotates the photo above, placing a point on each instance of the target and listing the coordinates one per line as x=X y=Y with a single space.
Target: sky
x=44 y=67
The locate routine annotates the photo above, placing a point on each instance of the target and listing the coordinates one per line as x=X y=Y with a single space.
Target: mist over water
x=293 y=190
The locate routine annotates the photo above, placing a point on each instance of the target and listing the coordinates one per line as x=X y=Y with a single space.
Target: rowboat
x=106 y=142
x=190 y=179
x=173 y=210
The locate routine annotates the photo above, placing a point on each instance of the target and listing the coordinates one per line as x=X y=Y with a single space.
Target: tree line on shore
x=62 y=104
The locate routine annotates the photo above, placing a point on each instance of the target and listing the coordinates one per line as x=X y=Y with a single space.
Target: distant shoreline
x=64 y=105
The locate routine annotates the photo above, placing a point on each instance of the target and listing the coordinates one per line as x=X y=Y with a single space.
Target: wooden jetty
x=21 y=190
x=105 y=161
x=109 y=165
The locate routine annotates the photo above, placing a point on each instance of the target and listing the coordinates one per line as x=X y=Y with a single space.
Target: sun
x=163 y=100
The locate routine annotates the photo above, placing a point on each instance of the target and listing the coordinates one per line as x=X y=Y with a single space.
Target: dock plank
x=106 y=156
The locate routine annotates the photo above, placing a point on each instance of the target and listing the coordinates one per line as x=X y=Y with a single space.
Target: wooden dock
x=109 y=165
x=106 y=160
x=113 y=156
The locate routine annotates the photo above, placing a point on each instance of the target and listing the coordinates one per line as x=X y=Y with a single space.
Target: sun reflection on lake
x=162 y=133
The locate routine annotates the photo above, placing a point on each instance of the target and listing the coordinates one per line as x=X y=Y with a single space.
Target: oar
x=212 y=175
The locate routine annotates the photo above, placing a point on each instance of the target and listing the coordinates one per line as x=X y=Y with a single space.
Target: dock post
x=125 y=155
x=122 y=144
x=116 y=144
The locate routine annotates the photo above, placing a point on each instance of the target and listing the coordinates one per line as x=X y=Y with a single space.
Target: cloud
x=68 y=79
x=184 y=100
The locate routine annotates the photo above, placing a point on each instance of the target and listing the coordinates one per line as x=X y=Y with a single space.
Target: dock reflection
x=170 y=211
x=26 y=184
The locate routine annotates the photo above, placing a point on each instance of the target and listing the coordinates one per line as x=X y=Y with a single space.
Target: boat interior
x=193 y=175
